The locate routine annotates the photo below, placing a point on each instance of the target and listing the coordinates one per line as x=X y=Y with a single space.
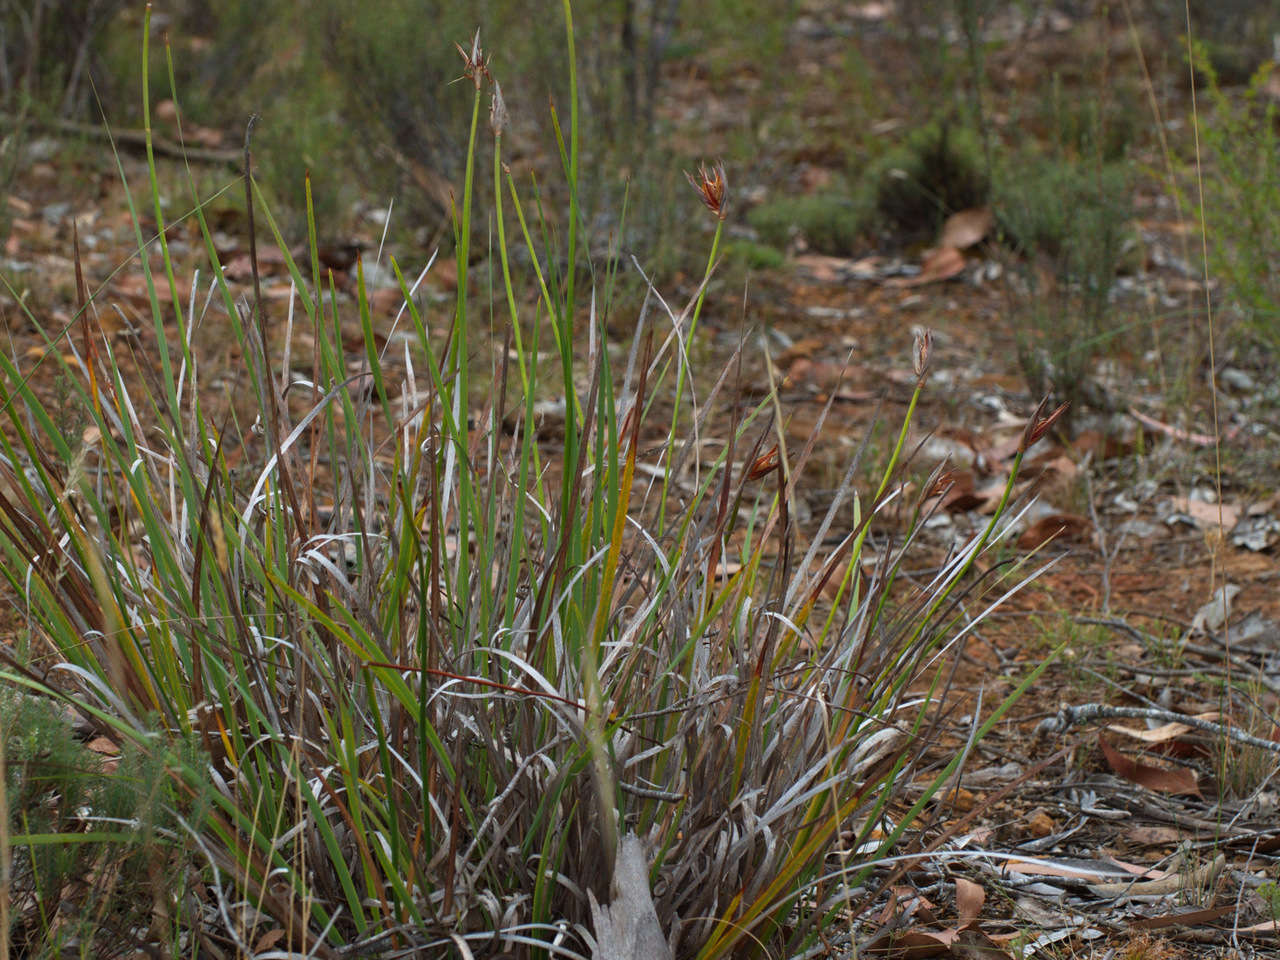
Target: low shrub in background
x=49 y=51
x=827 y=222
x=1241 y=209
x=1068 y=226
x=407 y=676
x=357 y=94
x=902 y=197
x=938 y=170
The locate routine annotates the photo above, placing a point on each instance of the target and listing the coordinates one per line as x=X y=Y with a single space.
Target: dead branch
x=135 y=139
x=1085 y=713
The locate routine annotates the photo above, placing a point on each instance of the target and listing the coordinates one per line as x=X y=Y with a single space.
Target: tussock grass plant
x=403 y=680
x=50 y=49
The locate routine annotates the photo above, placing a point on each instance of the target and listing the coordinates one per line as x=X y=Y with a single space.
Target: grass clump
x=51 y=48
x=1052 y=208
x=753 y=256
x=405 y=678
x=1233 y=36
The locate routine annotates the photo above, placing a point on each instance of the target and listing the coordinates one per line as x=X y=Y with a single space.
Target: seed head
x=497 y=111
x=1040 y=424
x=940 y=485
x=712 y=187
x=474 y=65
x=920 y=355
x=764 y=464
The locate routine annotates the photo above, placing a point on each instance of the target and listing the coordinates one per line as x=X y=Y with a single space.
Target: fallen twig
x=1177 y=433
x=1069 y=715
x=1198 y=878
x=127 y=137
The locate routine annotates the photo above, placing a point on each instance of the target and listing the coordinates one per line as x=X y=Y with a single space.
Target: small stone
x=1233 y=378
x=54 y=213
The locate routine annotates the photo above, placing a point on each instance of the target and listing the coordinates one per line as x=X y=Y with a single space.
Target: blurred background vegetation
x=845 y=128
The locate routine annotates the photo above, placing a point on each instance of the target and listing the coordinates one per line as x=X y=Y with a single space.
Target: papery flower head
x=712 y=187
x=474 y=65
x=923 y=347
x=1040 y=424
x=498 y=118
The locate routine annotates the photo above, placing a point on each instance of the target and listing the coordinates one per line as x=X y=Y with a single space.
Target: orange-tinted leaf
x=806 y=347
x=1160 y=779
x=962 y=230
x=1039 y=823
x=764 y=464
x=1164 y=732
x=134 y=287
x=970 y=897
x=906 y=945
x=1055 y=526
x=268 y=940
x=1206 y=514
x=943 y=264
x=1267 y=926
x=1153 y=836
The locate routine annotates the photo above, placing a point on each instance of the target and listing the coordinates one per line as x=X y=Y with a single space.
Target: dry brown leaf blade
x=1163 y=733
x=1154 y=836
x=1187 y=918
x=1172 y=780
x=1054 y=526
x=966 y=228
x=1087 y=871
x=973 y=944
x=906 y=945
x=942 y=264
x=970 y=897
x=1267 y=926
x=1205 y=514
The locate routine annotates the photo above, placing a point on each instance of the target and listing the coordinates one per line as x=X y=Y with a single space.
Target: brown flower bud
x=712 y=187
x=764 y=464
x=1040 y=424
x=920 y=354
x=474 y=66
x=498 y=118
x=941 y=484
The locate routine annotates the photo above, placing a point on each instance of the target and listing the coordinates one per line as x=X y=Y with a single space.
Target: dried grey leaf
x=627 y=928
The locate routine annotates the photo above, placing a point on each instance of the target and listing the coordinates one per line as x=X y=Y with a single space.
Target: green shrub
x=1068 y=225
x=829 y=222
x=939 y=170
x=1077 y=215
x=1089 y=129
x=86 y=842
x=1234 y=37
x=753 y=256
x=1241 y=213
